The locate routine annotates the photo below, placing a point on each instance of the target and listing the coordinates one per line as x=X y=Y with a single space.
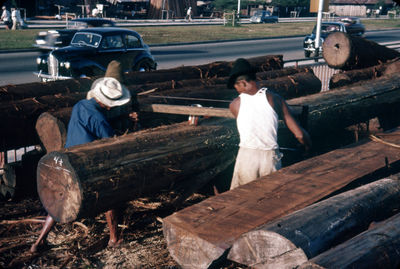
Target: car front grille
x=52 y=65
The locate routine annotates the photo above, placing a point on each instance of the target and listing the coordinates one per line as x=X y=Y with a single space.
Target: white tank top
x=257 y=122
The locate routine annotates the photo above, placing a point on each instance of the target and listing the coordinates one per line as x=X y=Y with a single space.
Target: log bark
x=91 y=178
x=157 y=87
x=132 y=79
x=329 y=111
x=359 y=75
x=211 y=70
x=19 y=118
x=37 y=89
x=318 y=227
x=51 y=127
x=342 y=51
x=199 y=235
x=376 y=248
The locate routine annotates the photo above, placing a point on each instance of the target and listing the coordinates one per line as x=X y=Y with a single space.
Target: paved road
x=19 y=66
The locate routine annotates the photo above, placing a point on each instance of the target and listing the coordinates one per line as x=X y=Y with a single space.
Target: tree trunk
x=378 y=247
x=132 y=79
x=37 y=89
x=359 y=75
x=318 y=227
x=51 y=127
x=91 y=178
x=19 y=118
x=215 y=69
x=296 y=85
x=156 y=87
x=21 y=115
x=342 y=51
x=332 y=110
x=200 y=234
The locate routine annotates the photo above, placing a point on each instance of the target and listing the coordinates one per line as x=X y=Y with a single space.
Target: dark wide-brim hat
x=240 y=67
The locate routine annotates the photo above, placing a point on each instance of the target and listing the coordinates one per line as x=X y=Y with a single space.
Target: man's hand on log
x=134 y=116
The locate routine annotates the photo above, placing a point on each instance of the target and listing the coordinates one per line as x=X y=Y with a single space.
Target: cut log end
x=336 y=49
x=51 y=131
x=61 y=196
x=258 y=246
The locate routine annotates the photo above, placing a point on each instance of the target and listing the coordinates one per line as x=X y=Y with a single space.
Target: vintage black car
x=353 y=25
x=326 y=29
x=90 y=52
x=54 y=39
x=263 y=16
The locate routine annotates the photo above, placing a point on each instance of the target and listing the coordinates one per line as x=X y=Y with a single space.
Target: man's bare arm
x=234 y=106
x=284 y=111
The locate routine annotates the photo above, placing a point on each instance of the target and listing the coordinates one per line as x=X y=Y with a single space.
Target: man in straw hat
x=88 y=122
x=257 y=111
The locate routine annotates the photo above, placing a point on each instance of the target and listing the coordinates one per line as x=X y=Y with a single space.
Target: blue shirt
x=87 y=123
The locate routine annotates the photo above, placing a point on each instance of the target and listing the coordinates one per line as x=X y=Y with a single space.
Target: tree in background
x=230 y=5
x=286 y=6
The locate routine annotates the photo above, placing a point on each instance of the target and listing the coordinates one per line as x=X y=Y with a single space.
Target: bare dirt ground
x=83 y=243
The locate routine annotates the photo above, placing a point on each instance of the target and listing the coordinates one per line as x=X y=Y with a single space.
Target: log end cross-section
x=51 y=131
x=337 y=49
x=59 y=187
x=276 y=250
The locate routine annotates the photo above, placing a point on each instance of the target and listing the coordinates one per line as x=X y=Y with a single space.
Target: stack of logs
x=179 y=158
x=257 y=224
x=46 y=107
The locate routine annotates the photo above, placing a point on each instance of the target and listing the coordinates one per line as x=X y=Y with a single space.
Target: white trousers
x=253 y=163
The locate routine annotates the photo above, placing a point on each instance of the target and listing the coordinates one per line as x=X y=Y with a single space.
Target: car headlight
x=65 y=64
x=38 y=60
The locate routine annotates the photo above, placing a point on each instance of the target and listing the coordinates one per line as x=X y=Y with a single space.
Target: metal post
x=319 y=19
x=238 y=11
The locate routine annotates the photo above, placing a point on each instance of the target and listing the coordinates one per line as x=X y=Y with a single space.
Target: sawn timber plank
x=200 y=234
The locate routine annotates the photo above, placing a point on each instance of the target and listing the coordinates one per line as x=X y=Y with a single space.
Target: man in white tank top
x=257 y=112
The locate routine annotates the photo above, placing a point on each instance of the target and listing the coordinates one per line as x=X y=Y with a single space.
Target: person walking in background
x=256 y=112
x=15 y=22
x=189 y=14
x=20 y=20
x=6 y=18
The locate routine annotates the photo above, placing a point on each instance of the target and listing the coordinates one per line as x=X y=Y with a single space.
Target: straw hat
x=240 y=67
x=109 y=90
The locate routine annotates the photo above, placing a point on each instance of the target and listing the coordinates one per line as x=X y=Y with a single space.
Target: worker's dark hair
x=248 y=77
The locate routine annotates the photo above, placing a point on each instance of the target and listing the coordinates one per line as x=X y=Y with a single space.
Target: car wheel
x=143 y=65
x=307 y=54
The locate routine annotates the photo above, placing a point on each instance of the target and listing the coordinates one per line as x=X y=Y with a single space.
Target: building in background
x=359 y=8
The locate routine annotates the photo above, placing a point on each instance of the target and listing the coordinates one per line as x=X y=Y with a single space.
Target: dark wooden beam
x=200 y=234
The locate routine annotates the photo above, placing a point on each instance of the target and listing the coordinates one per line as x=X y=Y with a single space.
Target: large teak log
x=378 y=247
x=360 y=75
x=332 y=110
x=318 y=227
x=346 y=52
x=200 y=234
x=91 y=178
x=136 y=80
